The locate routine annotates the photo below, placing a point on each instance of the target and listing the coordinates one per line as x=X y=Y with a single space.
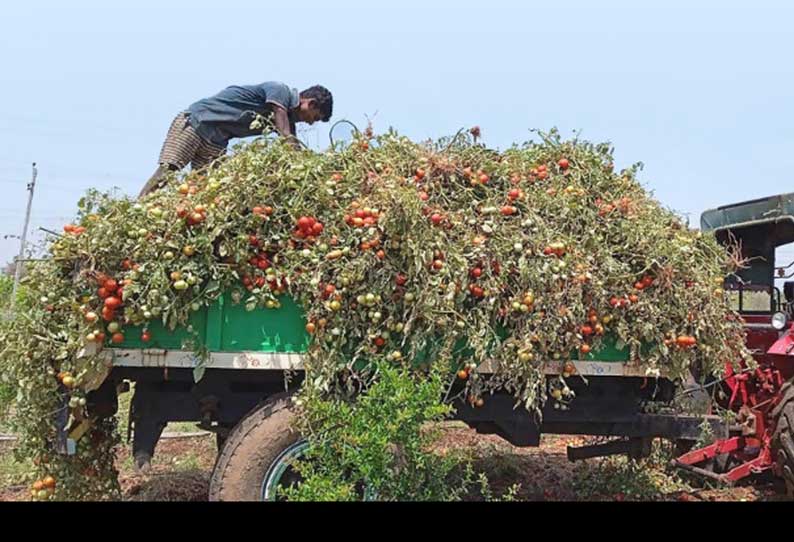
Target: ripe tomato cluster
x=479 y=177
x=308 y=228
x=110 y=292
x=622 y=205
x=262 y=211
x=540 y=173
x=194 y=216
x=43 y=489
x=361 y=217
x=475 y=289
x=74 y=230
x=557 y=249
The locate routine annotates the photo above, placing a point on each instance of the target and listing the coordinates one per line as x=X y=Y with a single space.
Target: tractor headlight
x=779 y=320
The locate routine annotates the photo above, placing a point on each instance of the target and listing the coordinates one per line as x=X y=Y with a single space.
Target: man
x=201 y=134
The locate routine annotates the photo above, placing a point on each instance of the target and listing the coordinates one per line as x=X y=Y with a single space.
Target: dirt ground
x=181 y=468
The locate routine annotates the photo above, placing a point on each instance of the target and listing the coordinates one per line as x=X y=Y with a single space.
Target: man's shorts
x=183 y=145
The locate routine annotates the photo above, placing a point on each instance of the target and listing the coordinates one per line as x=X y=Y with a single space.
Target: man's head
x=316 y=103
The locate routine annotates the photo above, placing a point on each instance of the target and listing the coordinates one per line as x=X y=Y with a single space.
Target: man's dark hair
x=323 y=100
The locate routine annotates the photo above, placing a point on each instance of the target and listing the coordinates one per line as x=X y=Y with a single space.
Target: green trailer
x=240 y=390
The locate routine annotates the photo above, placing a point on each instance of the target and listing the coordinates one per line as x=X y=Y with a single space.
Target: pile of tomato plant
x=398 y=252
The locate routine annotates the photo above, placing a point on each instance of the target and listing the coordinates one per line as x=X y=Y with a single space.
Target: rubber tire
x=783 y=437
x=250 y=449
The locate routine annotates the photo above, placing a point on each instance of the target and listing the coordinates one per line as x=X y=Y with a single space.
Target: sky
x=701 y=92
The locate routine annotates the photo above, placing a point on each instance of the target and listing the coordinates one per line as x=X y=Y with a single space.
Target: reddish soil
x=181 y=468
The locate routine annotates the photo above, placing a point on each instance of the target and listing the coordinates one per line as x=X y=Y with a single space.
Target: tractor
x=760 y=397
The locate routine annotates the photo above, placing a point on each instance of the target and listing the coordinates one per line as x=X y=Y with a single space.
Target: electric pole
x=19 y=263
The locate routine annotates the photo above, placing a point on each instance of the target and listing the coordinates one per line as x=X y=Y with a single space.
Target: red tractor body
x=761 y=397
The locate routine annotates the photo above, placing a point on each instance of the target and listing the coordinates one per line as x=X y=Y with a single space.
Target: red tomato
x=305 y=223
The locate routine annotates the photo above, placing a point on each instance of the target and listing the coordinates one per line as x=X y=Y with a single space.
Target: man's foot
x=142 y=462
x=154 y=183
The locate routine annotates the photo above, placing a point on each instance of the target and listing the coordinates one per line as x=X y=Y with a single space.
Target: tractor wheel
x=254 y=451
x=783 y=438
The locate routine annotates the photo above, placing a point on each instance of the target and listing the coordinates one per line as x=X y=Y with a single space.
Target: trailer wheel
x=783 y=438
x=252 y=449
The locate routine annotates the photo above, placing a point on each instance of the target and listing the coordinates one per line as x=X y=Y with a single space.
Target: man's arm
x=284 y=127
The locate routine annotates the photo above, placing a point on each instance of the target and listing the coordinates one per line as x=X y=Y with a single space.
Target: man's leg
x=179 y=148
x=206 y=154
x=154 y=182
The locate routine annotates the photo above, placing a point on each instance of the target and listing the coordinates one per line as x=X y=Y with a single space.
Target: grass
x=188 y=462
x=13 y=473
x=621 y=478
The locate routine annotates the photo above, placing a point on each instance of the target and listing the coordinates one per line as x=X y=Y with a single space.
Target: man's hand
x=284 y=126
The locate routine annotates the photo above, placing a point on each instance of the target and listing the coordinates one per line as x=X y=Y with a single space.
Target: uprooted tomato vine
x=397 y=252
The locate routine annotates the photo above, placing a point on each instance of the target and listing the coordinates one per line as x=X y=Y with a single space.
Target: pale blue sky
x=702 y=92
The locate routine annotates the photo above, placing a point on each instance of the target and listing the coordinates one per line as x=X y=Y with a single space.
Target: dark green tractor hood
x=761 y=226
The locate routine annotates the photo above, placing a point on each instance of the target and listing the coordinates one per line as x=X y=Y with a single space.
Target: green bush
x=379 y=446
x=7 y=391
